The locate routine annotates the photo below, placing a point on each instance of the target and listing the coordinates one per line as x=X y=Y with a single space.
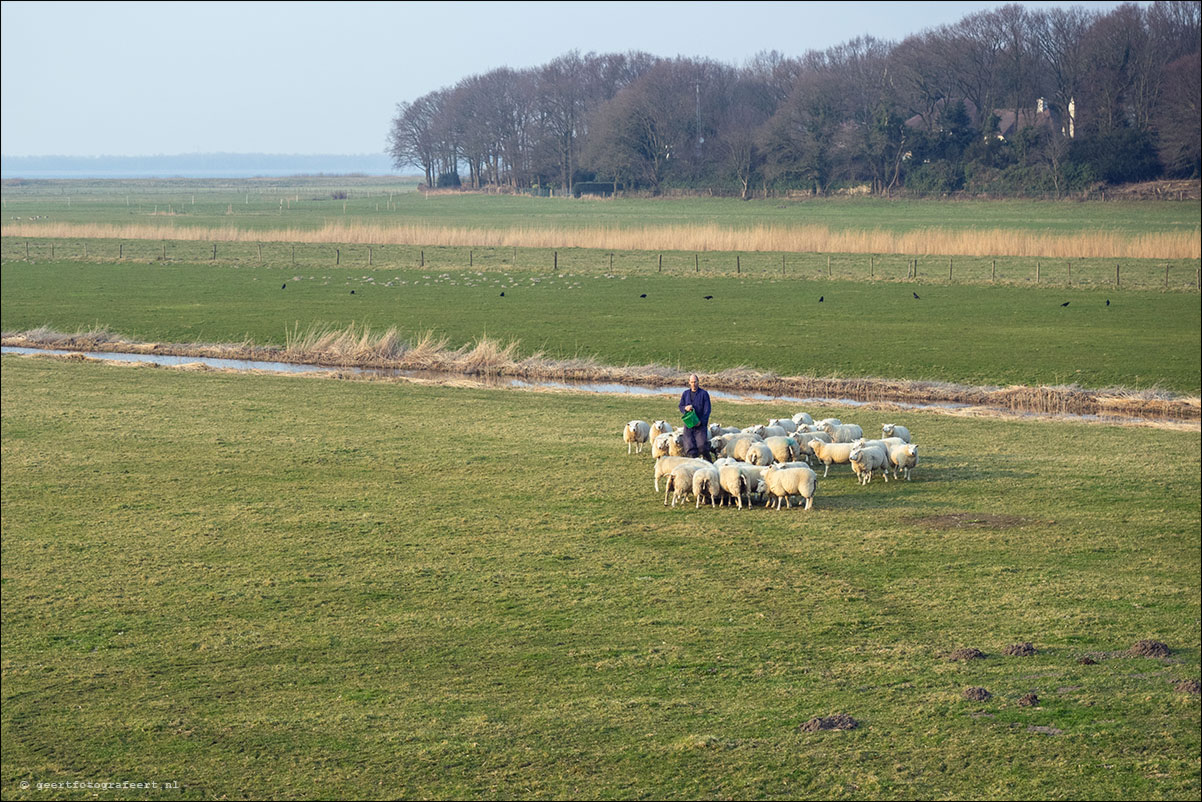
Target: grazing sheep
x=803 y=417
x=680 y=481
x=806 y=439
x=761 y=431
x=733 y=445
x=843 y=433
x=783 y=483
x=635 y=434
x=665 y=465
x=866 y=460
x=707 y=482
x=755 y=479
x=758 y=454
x=788 y=424
x=831 y=454
x=784 y=449
x=895 y=430
x=822 y=424
x=905 y=457
x=734 y=483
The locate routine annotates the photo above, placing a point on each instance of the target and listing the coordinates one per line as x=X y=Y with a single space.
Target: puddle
x=600 y=388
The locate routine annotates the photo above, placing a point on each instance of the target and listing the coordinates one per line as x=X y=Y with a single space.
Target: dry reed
x=700 y=238
x=359 y=346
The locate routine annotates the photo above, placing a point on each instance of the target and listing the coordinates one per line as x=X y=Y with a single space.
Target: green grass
x=1006 y=334
x=309 y=203
x=260 y=586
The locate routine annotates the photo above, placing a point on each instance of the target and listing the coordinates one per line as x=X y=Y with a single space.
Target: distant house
x=1043 y=115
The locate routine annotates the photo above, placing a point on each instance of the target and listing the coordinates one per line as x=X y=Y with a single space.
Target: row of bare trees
x=1004 y=100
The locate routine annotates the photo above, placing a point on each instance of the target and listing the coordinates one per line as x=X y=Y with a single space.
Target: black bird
x=644 y=295
x=352 y=292
x=502 y=295
x=709 y=297
x=916 y=296
x=1108 y=302
x=282 y=286
x=1066 y=303
x=820 y=298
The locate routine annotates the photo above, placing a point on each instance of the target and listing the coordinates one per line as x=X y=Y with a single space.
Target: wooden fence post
x=337 y=256
x=949 y=269
x=556 y=263
x=738 y=265
x=1070 y=274
x=993 y=275
x=369 y=256
x=121 y=250
x=1166 y=273
x=611 y=260
x=1117 y=280
x=871 y=267
x=423 y=264
x=661 y=263
x=696 y=263
x=260 y=253
x=214 y=250
x=471 y=258
x=26 y=250
x=1037 y=272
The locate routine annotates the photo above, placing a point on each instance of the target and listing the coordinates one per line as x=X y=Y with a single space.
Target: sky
x=149 y=78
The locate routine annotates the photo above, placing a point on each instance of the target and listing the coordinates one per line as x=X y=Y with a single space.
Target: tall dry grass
x=702 y=237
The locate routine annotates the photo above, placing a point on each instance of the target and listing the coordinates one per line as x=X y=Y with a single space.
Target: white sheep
x=635 y=434
x=788 y=424
x=783 y=483
x=832 y=421
x=680 y=481
x=805 y=441
x=665 y=465
x=831 y=454
x=660 y=427
x=707 y=482
x=734 y=483
x=758 y=454
x=803 y=417
x=843 y=432
x=896 y=430
x=905 y=457
x=755 y=479
x=784 y=449
x=868 y=459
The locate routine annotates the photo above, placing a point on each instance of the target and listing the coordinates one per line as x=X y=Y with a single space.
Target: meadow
x=280 y=587
x=972 y=334
x=261 y=586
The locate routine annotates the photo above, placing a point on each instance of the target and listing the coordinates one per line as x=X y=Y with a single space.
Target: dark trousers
x=696 y=441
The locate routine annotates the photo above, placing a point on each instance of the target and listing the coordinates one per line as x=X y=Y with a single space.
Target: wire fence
x=1180 y=275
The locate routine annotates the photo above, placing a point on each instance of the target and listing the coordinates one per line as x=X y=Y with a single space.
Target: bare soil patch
x=839 y=721
x=967 y=654
x=1045 y=730
x=977 y=694
x=1150 y=648
x=1028 y=700
x=1188 y=686
x=972 y=520
x=1019 y=650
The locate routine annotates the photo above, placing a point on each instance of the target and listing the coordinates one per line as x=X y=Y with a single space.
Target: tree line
x=1006 y=101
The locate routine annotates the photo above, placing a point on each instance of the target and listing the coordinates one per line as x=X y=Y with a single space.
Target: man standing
x=694 y=399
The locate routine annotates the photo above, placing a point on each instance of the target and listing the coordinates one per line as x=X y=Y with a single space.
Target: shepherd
x=695 y=412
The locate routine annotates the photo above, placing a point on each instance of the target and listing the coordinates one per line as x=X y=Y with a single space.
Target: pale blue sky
x=119 y=78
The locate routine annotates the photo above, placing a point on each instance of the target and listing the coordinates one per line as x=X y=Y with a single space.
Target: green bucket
x=690 y=419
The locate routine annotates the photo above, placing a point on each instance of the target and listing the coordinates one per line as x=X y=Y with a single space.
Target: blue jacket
x=701 y=405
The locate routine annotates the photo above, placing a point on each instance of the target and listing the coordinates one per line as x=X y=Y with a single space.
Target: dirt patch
x=839 y=721
x=1019 y=650
x=976 y=694
x=1150 y=648
x=967 y=654
x=972 y=520
x=1045 y=730
x=1188 y=686
x=1028 y=700
x=1086 y=660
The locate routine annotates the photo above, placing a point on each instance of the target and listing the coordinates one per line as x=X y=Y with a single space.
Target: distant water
x=198 y=165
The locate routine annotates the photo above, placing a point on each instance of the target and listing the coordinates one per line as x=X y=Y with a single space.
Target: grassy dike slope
x=299 y=588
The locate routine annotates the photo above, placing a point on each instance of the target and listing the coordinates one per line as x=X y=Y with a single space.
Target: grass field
x=310 y=203
x=959 y=333
x=260 y=586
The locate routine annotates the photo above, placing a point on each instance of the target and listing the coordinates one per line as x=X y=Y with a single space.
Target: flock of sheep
x=771 y=462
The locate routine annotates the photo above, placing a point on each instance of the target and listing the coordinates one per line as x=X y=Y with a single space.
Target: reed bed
x=359 y=346
x=698 y=238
